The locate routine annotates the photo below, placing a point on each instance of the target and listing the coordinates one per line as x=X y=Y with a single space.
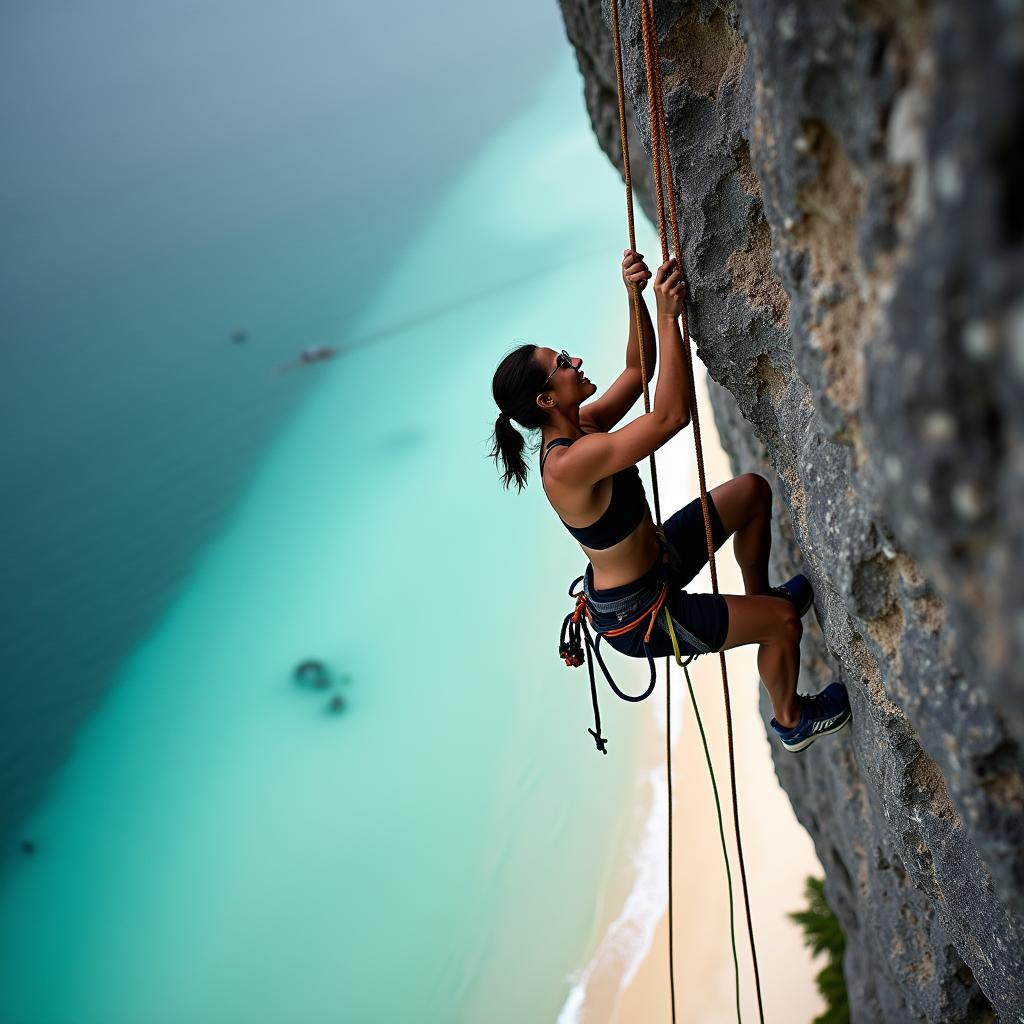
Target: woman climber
x=635 y=571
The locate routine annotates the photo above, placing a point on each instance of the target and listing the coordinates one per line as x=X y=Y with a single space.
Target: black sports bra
x=626 y=509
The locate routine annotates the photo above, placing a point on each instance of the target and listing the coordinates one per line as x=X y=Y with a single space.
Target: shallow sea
x=218 y=846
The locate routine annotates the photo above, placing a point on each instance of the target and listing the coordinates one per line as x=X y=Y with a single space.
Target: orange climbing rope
x=664 y=187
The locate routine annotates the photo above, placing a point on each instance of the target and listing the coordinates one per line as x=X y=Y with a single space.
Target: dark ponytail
x=518 y=380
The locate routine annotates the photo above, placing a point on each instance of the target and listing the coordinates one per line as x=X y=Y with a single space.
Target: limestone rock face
x=851 y=180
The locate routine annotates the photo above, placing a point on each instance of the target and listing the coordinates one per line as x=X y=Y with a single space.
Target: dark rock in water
x=312 y=673
x=239 y=334
x=27 y=847
x=849 y=176
x=336 y=704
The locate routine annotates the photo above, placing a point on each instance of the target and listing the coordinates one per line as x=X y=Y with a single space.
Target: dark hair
x=518 y=380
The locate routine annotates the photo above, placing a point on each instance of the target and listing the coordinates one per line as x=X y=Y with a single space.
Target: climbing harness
x=576 y=634
x=576 y=645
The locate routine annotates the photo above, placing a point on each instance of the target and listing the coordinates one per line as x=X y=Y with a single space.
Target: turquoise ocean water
x=172 y=172
x=220 y=848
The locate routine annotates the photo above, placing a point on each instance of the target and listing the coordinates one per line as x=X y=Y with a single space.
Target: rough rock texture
x=851 y=178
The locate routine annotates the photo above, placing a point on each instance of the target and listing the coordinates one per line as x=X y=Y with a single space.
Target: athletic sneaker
x=797 y=591
x=820 y=714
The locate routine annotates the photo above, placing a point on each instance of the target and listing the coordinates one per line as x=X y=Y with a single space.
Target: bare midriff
x=628 y=560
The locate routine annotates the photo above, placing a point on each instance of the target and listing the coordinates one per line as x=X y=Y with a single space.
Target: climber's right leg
x=774 y=623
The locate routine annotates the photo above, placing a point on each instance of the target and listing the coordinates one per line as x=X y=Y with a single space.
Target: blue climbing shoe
x=798 y=592
x=820 y=714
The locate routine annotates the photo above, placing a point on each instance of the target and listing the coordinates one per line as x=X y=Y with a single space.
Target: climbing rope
x=664 y=189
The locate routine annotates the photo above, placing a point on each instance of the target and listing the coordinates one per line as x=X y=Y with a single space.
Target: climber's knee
x=741 y=500
x=760 y=492
x=789 y=628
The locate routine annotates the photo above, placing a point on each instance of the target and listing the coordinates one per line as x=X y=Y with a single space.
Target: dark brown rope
x=623 y=136
x=664 y=188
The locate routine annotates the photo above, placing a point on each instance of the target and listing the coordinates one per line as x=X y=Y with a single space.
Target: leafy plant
x=822 y=934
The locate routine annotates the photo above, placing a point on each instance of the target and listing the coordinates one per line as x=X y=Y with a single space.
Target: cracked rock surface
x=851 y=180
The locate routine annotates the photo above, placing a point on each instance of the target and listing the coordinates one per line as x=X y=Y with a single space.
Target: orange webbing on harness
x=663 y=185
x=648 y=613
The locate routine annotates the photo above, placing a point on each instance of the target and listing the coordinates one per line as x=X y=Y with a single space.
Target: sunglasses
x=562 y=360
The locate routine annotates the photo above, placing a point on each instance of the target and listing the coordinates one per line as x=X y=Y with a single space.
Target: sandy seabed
x=627 y=981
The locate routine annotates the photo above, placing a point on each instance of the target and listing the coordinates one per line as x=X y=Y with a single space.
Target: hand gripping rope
x=575 y=632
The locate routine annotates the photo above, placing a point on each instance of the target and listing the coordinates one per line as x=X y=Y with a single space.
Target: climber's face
x=566 y=382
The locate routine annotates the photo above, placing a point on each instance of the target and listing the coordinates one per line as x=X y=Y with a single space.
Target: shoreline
x=633 y=898
x=627 y=976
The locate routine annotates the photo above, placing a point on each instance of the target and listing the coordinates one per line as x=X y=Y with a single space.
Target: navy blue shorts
x=701 y=620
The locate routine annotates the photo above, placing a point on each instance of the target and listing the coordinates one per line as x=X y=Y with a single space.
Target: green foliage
x=822 y=934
